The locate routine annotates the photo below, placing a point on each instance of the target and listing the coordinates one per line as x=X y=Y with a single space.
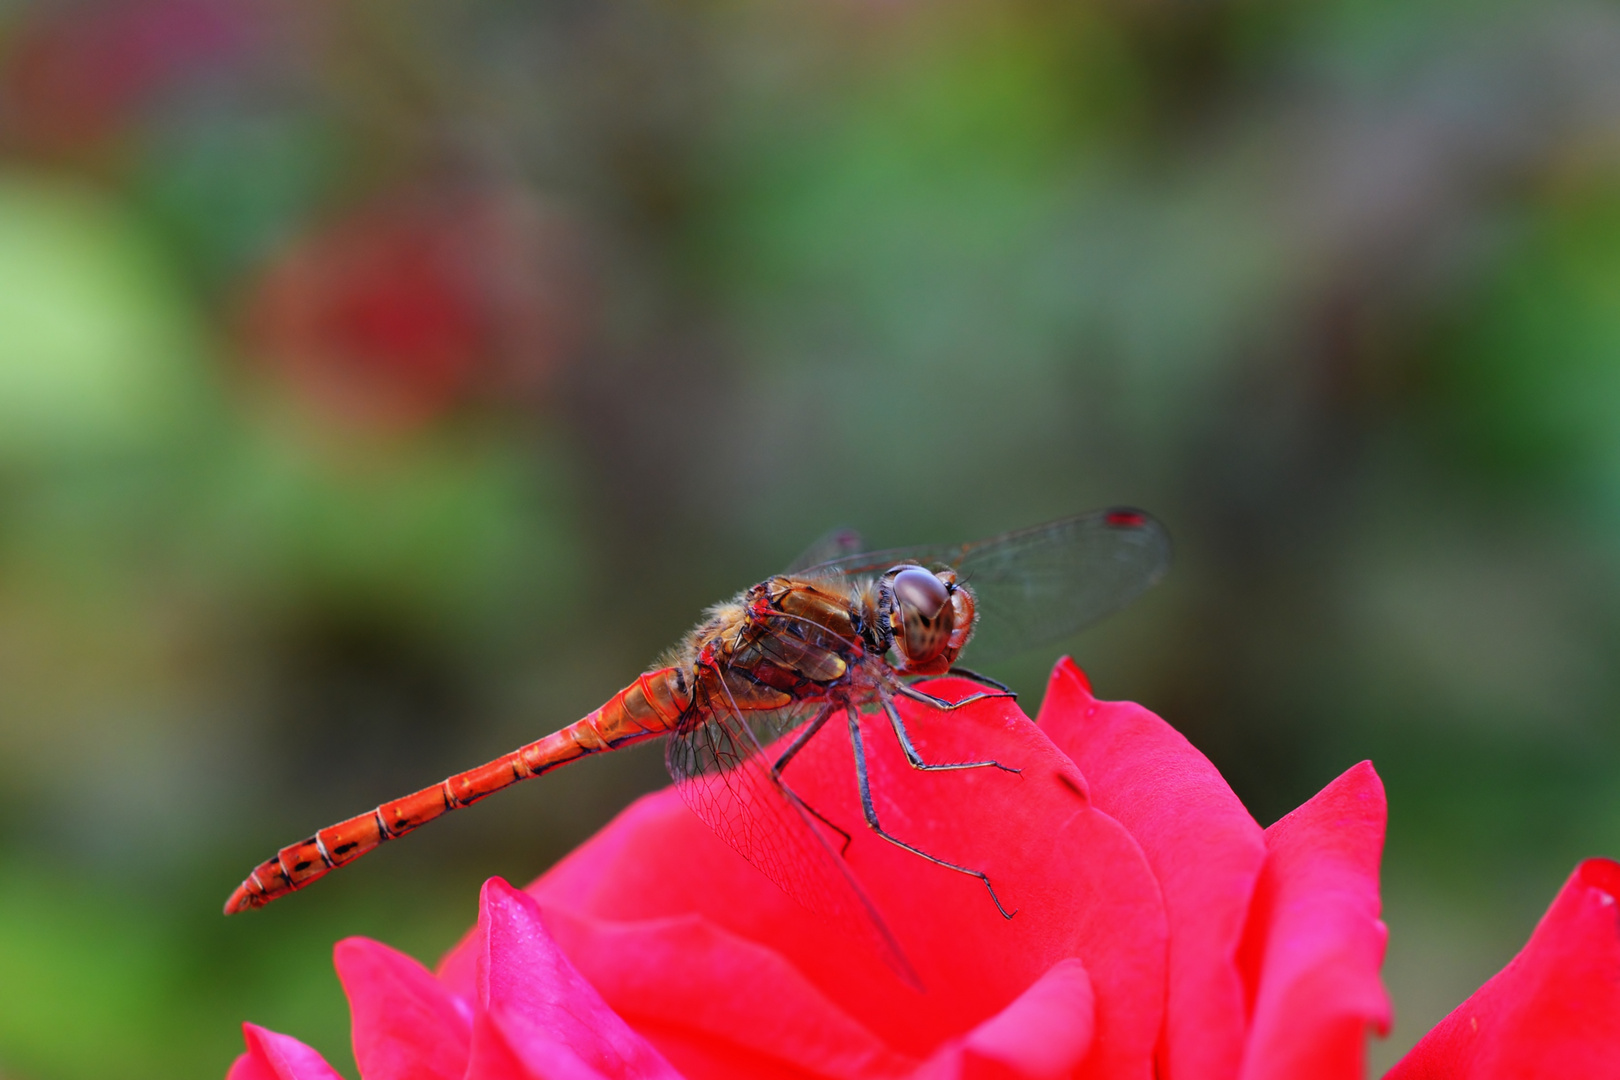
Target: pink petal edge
x=540 y=1001
x=724 y=1003
x=1554 y=1010
x=1204 y=848
x=498 y=1054
x=272 y=1056
x=250 y=1067
x=1314 y=942
x=1044 y=1035
x=404 y=1024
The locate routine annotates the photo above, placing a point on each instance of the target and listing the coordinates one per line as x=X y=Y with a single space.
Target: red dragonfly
x=839 y=632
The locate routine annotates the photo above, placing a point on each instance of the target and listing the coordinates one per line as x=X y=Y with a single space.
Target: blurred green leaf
x=101 y=349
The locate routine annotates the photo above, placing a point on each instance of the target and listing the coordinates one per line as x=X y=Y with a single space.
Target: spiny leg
x=940 y=703
x=915 y=758
x=969 y=673
x=794 y=797
x=870 y=811
x=805 y=734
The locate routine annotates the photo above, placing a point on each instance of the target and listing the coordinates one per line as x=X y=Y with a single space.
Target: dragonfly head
x=928 y=614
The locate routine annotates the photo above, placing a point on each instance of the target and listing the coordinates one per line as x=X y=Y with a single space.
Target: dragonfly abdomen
x=648 y=707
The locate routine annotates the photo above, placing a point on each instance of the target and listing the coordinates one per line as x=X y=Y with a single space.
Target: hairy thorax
x=786 y=638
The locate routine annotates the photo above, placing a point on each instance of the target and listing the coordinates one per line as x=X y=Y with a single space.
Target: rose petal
x=490 y=1057
x=406 y=1025
x=1043 y=1035
x=1080 y=883
x=539 y=1001
x=698 y=993
x=496 y=1055
x=1314 y=943
x=250 y=1067
x=1203 y=846
x=1554 y=1010
x=271 y=1056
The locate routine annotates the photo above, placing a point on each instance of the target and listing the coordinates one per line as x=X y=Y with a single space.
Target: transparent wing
x=1042 y=583
x=837 y=544
x=721 y=761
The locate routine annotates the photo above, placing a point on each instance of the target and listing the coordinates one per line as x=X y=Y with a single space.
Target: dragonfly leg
x=870 y=811
x=940 y=703
x=916 y=759
x=804 y=736
x=969 y=673
x=843 y=849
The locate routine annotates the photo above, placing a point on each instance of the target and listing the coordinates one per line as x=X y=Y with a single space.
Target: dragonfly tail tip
x=240 y=900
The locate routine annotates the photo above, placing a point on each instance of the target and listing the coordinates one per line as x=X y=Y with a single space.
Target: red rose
x=1160 y=932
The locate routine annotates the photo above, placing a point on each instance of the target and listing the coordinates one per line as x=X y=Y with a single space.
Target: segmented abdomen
x=648 y=707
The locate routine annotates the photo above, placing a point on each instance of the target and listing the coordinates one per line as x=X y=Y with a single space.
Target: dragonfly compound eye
x=923 y=616
x=919 y=592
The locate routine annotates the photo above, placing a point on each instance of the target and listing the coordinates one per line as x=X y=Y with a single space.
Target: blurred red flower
x=1160 y=932
x=418 y=301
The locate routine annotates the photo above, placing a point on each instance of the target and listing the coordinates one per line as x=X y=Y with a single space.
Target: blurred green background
x=384 y=383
